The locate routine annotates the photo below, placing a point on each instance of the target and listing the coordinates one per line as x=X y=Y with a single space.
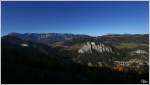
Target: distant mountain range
x=47 y=38
x=127 y=35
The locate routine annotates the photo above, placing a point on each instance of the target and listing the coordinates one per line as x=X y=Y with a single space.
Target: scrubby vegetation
x=39 y=63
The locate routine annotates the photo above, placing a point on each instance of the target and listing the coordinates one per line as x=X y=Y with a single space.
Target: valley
x=70 y=58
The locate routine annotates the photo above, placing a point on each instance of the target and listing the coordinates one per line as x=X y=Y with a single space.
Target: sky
x=78 y=17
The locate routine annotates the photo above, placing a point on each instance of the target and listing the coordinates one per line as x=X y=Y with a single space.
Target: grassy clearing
x=127 y=45
x=77 y=46
x=131 y=45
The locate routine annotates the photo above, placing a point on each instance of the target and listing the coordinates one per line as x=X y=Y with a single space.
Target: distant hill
x=125 y=35
x=125 y=38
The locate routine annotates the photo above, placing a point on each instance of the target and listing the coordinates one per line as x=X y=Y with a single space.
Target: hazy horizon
x=78 y=33
x=94 y=18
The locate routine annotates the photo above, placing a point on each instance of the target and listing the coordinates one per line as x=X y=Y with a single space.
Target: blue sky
x=91 y=18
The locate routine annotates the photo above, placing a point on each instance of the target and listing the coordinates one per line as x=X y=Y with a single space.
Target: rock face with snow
x=130 y=62
x=24 y=45
x=87 y=48
x=138 y=52
x=96 y=54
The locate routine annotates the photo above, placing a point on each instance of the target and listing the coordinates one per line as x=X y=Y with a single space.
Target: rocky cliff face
x=89 y=46
x=97 y=54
